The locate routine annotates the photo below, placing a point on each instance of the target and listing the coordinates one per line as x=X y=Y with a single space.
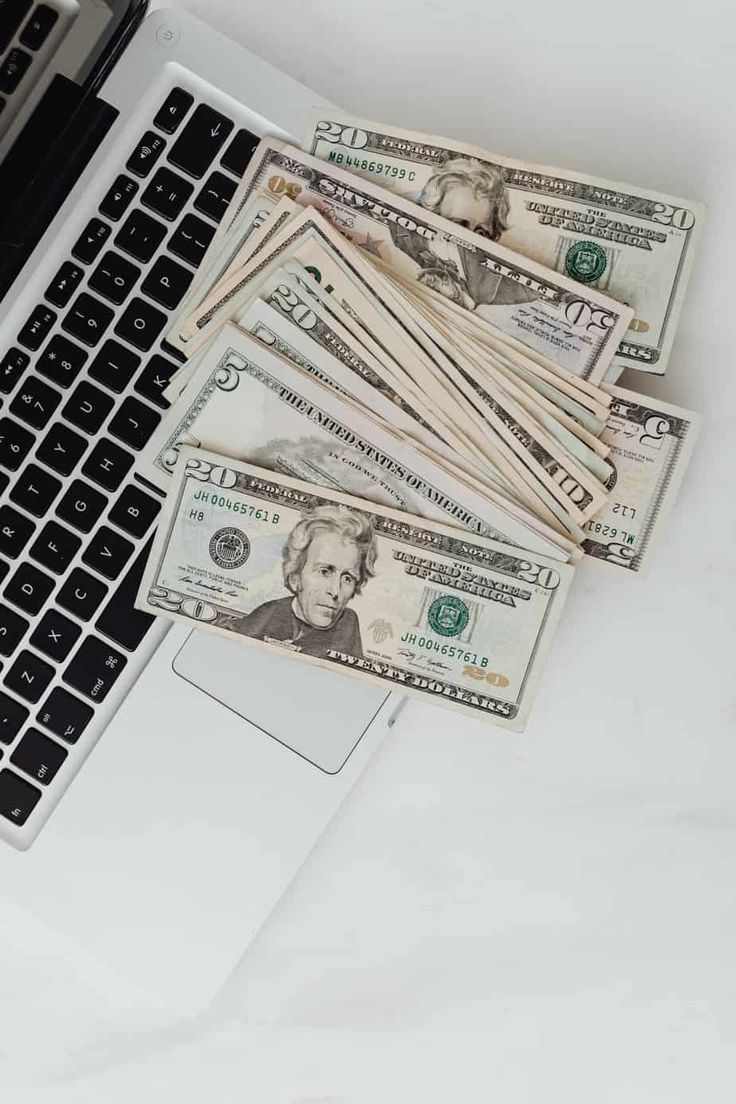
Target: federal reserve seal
x=229 y=547
x=448 y=615
x=585 y=261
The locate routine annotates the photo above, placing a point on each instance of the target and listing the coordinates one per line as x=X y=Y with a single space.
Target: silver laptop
x=220 y=766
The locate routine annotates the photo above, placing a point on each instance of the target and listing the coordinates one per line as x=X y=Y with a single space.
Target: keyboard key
x=38 y=27
x=173 y=109
x=12 y=13
x=4 y=568
x=146 y=154
x=141 y=324
x=12 y=630
x=18 y=798
x=29 y=676
x=55 y=547
x=107 y=464
x=12 y=367
x=91 y=241
x=200 y=141
x=134 y=423
x=81 y=594
x=13 y=69
x=61 y=361
x=120 y=620
x=107 y=552
x=15 y=532
x=36 y=329
x=167 y=283
x=4 y=480
x=191 y=239
x=13 y=716
x=64 y=284
x=114 y=277
x=15 y=442
x=118 y=199
x=61 y=449
x=35 y=490
x=238 y=154
x=114 y=366
x=55 y=636
x=134 y=512
x=154 y=379
x=88 y=319
x=88 y=407
x=140 y=235
x=94 y=669
x=170 y=351
x=38 y=756
x=34 y=402
x=65 y=715
x=167 y=194
x=215 y=195
x=81 y=506
x=29 y=588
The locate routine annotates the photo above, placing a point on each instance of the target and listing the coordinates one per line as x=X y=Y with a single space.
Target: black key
x=107 y=464
x=134 y=423
x=36 y=329
x=141 y=324
x=61 y=448
x=167 y=283
x=38 y=27
x=34 y=402
x=13 y=69
x=215 y=195
x=154 y=378
x=4 y=568
x=35 y=490
x=29 y=588
x=191 y=239
x=15 y=441
x=12 y=367
x=114 y=366
x=64 y=284
x=200 y=141
x=55 y=636
x=117 y=200
x=88 y=407
x=120 y=620
x=140 y=235
x=15 y=532
x=12 y=630
x=114 y=277
x=134 y=512
x=38 y=756
x=238 y=154
x=146 y=154
x=91 y=240
x=65 y=715
x=81 y=594
x=29 y=676
x=4 y=480
x=107 y=552
x=167 y=194
x=173 y=109
x=94 y=669
x=12 y=13
x=61 y=361
x=88 y=319
x=55 y=547
x=81 y=506
x=18 y=798
x=170 y=351
x=13 y=716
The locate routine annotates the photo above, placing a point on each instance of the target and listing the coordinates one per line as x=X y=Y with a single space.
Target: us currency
x=324 y=578
x=651 y=445
x=632 y=243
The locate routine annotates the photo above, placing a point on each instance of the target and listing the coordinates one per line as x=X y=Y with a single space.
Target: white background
x=544 y=919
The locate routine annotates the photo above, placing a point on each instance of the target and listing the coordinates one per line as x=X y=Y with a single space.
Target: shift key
x=94 y=669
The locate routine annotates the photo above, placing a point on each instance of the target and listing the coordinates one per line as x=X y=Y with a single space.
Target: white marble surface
x=538 y=920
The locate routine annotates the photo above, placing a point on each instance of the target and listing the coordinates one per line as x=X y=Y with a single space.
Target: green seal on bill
x=585 y=261
x=448 y=615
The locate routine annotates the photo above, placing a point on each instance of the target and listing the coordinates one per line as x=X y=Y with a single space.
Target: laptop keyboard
x=81 y=389
x=25 y=29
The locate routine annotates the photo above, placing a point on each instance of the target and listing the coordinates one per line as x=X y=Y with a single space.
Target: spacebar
x=120 y=620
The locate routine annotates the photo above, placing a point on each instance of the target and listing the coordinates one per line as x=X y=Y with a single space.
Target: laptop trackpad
x=319 y=714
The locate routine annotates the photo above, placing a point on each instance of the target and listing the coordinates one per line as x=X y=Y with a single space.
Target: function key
x=64 y=284
x=91 y=240
x=12 y=367
x=114 y=366
x=140 y=235
x=35 y=490
x=36 y=329
x=12 y=631
x=200 y=141
x=173 y=110
x=134 y=512
x=167 y=194
x=114 y=277
x=61 y=361
x=15 y=443
x=107 y=464
x=55 y=636
x=34 y=402
x=13 y=69
x=88 y=319
x=167 y=282
x=29 y=588
x=38 y=756
x=94 y=669
x=61 y=449
x=81 y=594
x=215 y=195
x=88 y=407
x=239 y=152
x=64 y=715
x=38 y=27
x=12 y=12
x=154 y=379
x=15 y=531
x=115 y=203
x=18 y=798
x=146 y=154
x=191 y=239
x=13 y=716
x=107 y=552
x=55 y=547
x=134 y=423
x=141 y=324
x=81 y=506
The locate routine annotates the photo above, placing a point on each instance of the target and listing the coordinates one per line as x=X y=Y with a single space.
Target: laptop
x=220 y=765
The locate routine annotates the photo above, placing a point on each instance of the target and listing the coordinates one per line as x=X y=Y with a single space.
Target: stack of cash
x=392 y=437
